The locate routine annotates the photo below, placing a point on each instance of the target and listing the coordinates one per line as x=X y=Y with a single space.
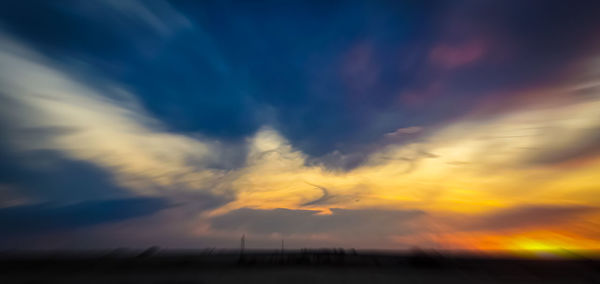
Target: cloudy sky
x=366 y=124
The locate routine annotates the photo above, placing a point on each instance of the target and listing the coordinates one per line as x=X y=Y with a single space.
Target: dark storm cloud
x=330 y=76
x=344 y=222
x=45 y=175
x=33 y=219
x=529 y=217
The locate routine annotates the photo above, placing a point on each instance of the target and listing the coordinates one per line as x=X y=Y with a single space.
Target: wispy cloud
x=476 y=164
x=159 y=16
x=108 y=128
x=321 y=200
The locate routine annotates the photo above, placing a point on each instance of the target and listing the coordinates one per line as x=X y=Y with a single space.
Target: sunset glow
x=409 y=127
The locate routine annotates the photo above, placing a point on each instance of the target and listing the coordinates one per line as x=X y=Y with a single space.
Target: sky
x=468 y=125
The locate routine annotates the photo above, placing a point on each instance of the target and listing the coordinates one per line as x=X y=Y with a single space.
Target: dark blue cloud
x=40 y=218
x=46 y=175
x=329 y=75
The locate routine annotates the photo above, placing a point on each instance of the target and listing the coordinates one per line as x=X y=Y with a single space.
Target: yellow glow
x=535 y=245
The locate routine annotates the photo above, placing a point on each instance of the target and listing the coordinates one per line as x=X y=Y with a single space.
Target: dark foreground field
x=324 y=266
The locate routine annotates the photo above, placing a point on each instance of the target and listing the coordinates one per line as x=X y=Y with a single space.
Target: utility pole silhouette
x=282 y=246
x=243 y=244
x=242 y=247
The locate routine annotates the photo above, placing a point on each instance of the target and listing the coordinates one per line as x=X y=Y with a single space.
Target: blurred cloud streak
x=399 y=130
